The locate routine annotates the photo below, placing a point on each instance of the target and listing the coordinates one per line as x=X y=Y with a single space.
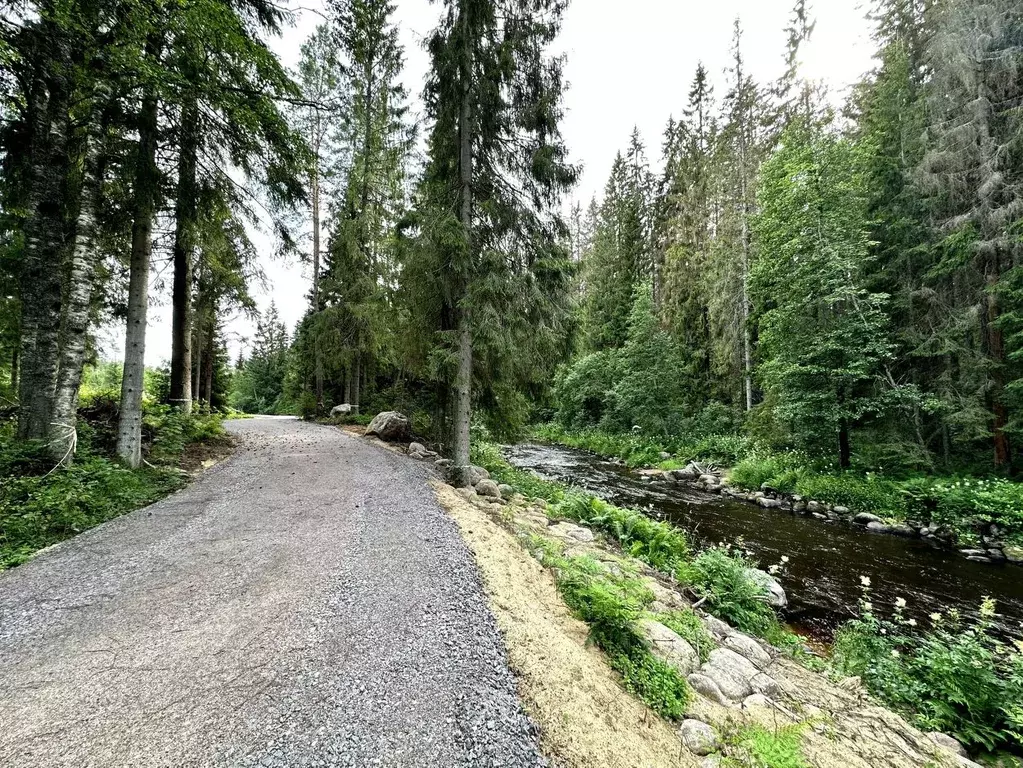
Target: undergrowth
x=41 y=505
x=611 y=605
x=758 y=747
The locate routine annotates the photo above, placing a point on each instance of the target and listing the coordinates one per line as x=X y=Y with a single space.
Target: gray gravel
x=305 y=604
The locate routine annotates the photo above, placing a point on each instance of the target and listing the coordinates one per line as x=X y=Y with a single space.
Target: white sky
x=629 y=64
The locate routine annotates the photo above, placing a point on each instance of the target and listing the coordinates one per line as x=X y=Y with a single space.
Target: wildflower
x=912 y=622
x=936 y=617
x=900 y=602
x=865 y=581
x=895 y=654
x=784 y=558
x=773 y=569
x=868 y=606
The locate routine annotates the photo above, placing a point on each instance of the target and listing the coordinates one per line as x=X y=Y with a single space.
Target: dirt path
x=307 y=603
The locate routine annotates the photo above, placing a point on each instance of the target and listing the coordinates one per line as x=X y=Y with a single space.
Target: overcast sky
x=628 y=64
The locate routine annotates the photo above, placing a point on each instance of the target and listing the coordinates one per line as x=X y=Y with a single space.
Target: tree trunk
x=996 y=349
x=81 y=275
x=129 y=429
x=14 y=368
x=348 y=385
x=208 y=364
x=462 y=400
x=184 y=233
x=317 y=349
x=844 y=450
x=45 y=225
x=356 y=381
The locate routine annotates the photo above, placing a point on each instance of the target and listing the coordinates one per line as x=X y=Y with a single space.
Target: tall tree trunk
x=14 y=368
x=81 y=275
x=129 y=429
x=184 y=233
x=348 y=384
x=45 y=233
x=462 y=395
x=208 y=364
x=356 y=381
x=844 y=449
x=996 y=349
x=317 y=347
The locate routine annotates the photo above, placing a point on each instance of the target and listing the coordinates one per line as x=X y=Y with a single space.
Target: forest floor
x=306 y=603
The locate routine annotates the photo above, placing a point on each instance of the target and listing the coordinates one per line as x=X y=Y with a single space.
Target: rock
x=468 y=494
x=417 y=456
x=341 y=410
x=996 y=554
x=391 y=426
x=713 y=761
x=732 y=673
x=901 y=529
x=718 y=629
x=768 y=503
x=416 y=448
x=819 y=516
x=665 y=599
x=488 y=488
x=814 y=506
x=649 y=473
x=978 y=559
x=506 y=491
x=877 y=527
x=973 y=552
x=699 y=737
x=1013 y=554
x=863 y=518
x=776 y=596
x=477 y=473
x=571 y=533
x=844 y=511
x=852 y=685
x=748 y=648
x=664 y=455
x=687 y=473
x=667 y=646
x=707 y=688
x=709 y=479
x=445 y=463
x=944 y=740
x=756 y=700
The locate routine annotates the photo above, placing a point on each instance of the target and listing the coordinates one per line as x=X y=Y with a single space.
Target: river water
x=826 y=559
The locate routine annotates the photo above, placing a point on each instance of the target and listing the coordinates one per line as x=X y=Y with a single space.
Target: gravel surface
x=306 y=603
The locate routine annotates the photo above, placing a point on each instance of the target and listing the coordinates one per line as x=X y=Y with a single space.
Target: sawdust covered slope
x=586 y=717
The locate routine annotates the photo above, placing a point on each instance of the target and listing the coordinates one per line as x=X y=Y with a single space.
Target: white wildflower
x=865 y=581
x=900 y=602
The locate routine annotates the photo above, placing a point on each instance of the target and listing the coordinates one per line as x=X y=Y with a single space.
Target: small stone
x=712 y=761
x=1013 y=554
x=718 y=629
x=445 y=463
x=877 y=527
x=416 y=448
x=901 y=529
x=488 y=488
x=840 y=510
x=749 y=648
x=667 y=646
x=768 y=503
x=771 y=587
x=506 y=491
x=699 y=737
x=864 y=518
x=571 y=533
x=756 y=700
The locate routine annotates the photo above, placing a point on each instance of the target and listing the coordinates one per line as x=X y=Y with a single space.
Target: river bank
x=980 y=519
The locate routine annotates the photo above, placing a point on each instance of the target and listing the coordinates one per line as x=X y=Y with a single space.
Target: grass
x=611 y=605
x=758 y=747
x=41 y=506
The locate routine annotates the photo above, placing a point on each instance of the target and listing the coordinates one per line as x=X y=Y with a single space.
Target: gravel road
x=306 y=603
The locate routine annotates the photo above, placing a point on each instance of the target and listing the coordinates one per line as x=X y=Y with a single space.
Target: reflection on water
x=827 y=559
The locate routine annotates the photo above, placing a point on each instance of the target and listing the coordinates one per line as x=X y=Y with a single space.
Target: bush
x=612 y=605
x=719 y=575
x=956 y=677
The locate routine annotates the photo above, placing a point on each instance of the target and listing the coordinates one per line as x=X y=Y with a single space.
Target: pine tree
x=497 y=169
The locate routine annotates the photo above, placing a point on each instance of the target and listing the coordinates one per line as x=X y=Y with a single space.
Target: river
x=826 y=559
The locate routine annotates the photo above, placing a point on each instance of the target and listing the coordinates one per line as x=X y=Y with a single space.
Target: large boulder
x=776 y=596
x=391 y=426
x=342 y=410
x=667 y=646
x=488 y=488
x=699 y=737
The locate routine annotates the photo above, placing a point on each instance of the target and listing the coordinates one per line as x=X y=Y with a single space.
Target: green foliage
x=758 y=747
x=488 y=456
x=720 y=575
x=258 y=387
x=611 y=605
x=687 y=625
x=956 y=676
x=41 y=505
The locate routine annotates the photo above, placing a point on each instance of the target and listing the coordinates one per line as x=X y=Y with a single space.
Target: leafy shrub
x=720 y=576
x=612 y=605
x=765 y=748
x=956 y=677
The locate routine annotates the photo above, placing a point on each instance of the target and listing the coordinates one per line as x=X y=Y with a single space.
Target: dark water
x=826 y=559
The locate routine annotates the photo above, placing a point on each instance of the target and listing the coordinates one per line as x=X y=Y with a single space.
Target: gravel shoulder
x=307 y=603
